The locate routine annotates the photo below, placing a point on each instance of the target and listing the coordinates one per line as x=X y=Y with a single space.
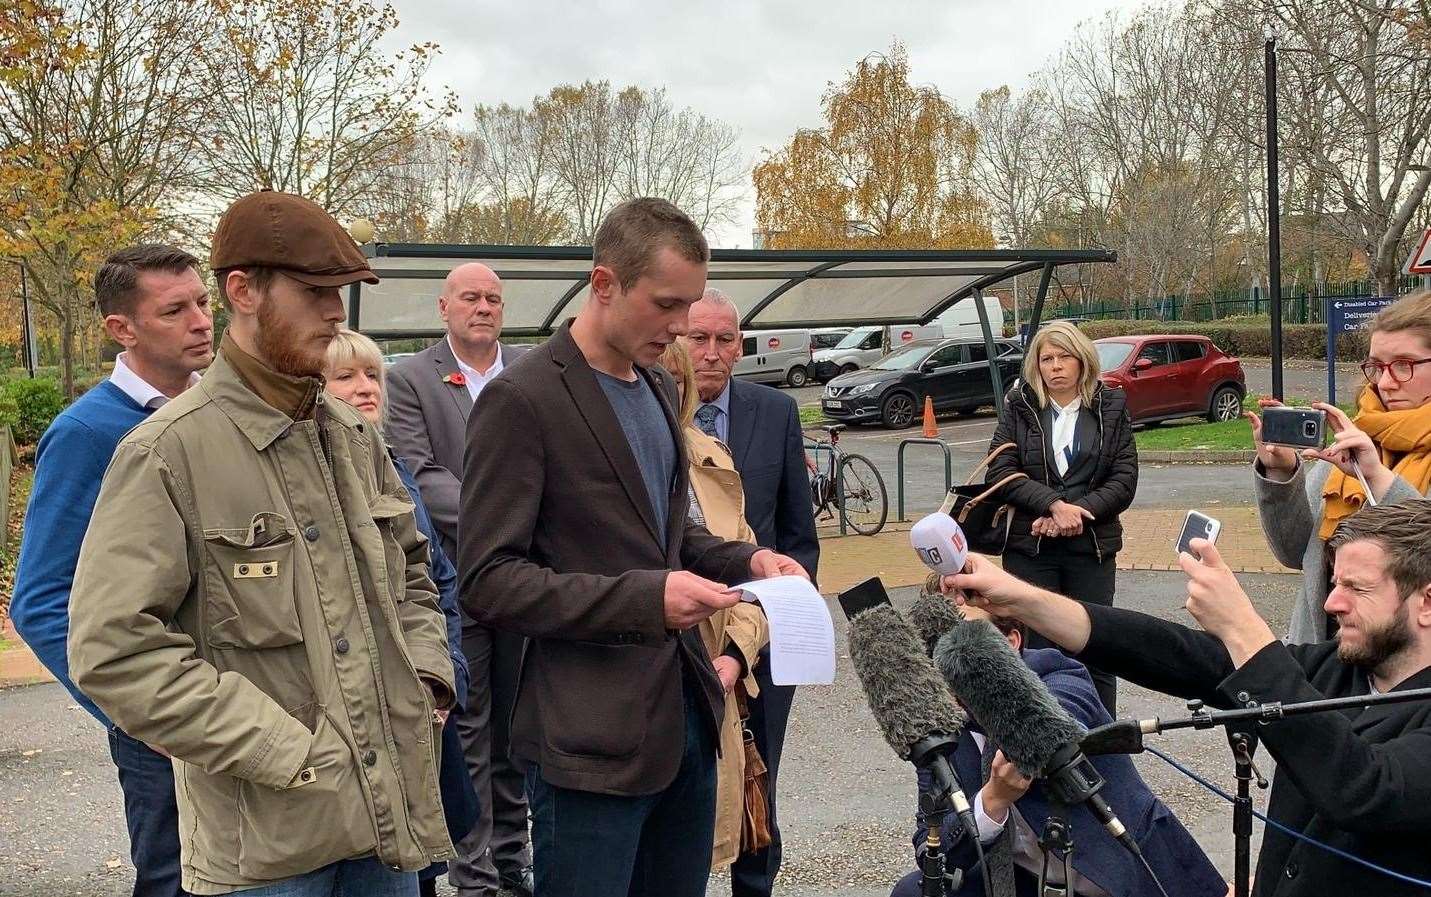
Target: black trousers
x=151 y=814
x=1078 y=575
x=497 y=845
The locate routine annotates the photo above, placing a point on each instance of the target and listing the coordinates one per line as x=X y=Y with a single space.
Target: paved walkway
x=1149 y=535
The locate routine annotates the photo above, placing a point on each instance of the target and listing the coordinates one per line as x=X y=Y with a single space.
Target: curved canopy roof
x=545 y=285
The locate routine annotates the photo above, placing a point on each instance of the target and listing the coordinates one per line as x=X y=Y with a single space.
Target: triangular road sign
x=1419 y=262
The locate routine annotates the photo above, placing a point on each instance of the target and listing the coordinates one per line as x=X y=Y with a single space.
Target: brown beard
x=279 y=343
x=1382 y=643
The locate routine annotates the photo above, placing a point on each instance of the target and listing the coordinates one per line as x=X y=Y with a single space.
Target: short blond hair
x=678 y=361
x=349 y=348
x=1065 y=336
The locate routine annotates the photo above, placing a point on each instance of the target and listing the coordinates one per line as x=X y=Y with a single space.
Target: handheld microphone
x=939 y=541
x=932 y=615
x=1019 y=713
x=912 y=705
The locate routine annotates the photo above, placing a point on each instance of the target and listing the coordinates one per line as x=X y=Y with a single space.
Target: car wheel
x=897 y=410
x=849 y=368
x=1226 y=405
x=797 y=377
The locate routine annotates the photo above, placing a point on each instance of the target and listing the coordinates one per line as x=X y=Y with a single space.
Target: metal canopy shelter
x=545 y=285
x=542 y=286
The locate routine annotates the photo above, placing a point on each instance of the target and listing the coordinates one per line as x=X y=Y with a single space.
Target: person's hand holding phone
x=1352 y=448
x=1278 y=461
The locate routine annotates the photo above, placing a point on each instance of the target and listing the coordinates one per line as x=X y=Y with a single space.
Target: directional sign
x=1348 y=316
x=1351 y=315
x=1419 y=262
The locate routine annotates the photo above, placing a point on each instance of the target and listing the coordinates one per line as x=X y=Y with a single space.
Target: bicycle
x=864 y=505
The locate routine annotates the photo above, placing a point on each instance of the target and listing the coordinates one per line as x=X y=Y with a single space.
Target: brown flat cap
x=269 y=229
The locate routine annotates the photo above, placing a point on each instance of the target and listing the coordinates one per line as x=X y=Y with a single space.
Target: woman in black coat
x=1073 y=441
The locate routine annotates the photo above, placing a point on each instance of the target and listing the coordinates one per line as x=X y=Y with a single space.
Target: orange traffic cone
x=931 y=429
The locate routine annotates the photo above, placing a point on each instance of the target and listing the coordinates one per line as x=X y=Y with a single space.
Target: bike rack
x=812 y=446
x=899 y=468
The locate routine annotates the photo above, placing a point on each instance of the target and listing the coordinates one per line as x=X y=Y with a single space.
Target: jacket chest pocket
x=387 y=512
x=248 y=574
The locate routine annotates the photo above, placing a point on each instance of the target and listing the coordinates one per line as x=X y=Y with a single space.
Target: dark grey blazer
x=769 y=451
x=559 y=544
x=427 y=427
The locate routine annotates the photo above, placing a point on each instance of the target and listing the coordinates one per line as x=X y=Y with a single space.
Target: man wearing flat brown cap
x=253 y=597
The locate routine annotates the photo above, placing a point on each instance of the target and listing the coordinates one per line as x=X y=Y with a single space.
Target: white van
x=775 y=356
x=961 y=320
x=865 y=345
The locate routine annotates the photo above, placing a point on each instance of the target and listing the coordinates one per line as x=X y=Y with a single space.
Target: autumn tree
x=1371 y=64
x=96 y=117
x=522 y=199
x=302 y=97
x=890 y=169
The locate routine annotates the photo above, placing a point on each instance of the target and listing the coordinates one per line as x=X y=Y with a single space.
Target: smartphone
x=1294 y=427
x=1197 y=525
x=864 y=596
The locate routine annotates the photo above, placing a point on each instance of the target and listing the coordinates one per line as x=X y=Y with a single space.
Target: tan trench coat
x=718 y=491
x=254 y=599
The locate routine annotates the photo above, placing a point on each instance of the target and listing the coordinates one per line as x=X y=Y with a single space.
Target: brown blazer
x=558 y=543
x=718 y=489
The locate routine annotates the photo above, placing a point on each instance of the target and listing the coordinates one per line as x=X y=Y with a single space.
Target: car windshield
x=901 y=359
x=853 y=339
x=1112 y=355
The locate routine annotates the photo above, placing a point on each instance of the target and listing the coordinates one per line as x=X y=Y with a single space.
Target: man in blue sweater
x=156 y=307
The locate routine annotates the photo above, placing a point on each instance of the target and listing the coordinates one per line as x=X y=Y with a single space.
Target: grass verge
x=1195 y=434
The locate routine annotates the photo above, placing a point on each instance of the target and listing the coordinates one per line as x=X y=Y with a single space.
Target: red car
x=1170 y=376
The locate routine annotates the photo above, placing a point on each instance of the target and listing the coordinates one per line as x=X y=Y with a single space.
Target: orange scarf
x=1404 y=438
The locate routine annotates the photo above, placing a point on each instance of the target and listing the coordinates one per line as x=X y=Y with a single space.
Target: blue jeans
x=366 y=877
x=601 y=845
x=150 y=813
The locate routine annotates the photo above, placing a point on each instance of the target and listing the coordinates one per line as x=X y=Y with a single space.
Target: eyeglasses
x=1402 y=369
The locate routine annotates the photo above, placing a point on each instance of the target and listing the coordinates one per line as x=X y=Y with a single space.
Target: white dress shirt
x=475 y=378
x=137 y=388
x=1065 y=427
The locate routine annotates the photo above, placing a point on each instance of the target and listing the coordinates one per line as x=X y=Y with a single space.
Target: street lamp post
x=1274 y=214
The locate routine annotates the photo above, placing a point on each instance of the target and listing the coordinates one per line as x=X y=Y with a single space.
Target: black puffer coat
x=1111 y=491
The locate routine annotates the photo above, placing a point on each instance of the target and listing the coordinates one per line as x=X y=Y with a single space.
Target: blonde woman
x=735 y=636
x=1074 y=442
x=355 y=374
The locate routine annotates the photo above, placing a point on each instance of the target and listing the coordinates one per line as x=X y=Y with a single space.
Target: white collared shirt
x=1065 y=429
x=137 y=388
x=476 y=379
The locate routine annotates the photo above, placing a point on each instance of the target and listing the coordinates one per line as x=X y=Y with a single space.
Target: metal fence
x=1297 y=307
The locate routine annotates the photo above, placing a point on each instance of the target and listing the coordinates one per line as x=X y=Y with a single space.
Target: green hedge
x=28 y=406
x=1242 y=336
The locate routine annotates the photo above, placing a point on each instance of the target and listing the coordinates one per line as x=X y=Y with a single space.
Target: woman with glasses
x=1301 y=497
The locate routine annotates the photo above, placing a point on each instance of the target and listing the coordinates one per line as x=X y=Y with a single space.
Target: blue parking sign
x=1348 y=315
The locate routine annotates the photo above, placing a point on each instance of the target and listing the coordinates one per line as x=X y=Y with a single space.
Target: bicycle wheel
x=866 y=504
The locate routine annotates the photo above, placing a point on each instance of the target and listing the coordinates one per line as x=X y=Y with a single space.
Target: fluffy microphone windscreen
x=932 y=615
x=1007 y=698
x=904 y=690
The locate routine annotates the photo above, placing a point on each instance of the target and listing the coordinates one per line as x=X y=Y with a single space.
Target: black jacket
x=1115 y=474
x=1358 y=780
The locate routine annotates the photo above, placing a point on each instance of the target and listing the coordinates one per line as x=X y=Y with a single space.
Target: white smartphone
x=1197 y=525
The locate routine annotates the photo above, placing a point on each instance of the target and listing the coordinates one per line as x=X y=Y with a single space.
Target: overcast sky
x=760 y=65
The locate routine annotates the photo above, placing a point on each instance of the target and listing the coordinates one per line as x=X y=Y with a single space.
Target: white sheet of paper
x=802 y=635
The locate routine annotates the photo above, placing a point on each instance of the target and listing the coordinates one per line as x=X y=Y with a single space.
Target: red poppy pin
x=455 y=378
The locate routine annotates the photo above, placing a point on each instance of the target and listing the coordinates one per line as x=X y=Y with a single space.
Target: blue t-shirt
x=644 y=422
